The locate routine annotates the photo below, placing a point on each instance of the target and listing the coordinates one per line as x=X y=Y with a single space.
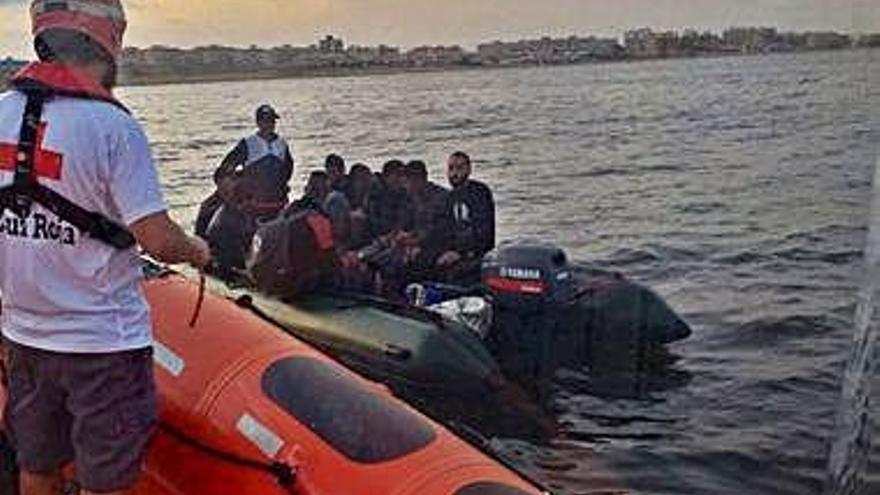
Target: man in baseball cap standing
x=252 y=187
x=266 y=113
x=265 y=150
x=79 y=184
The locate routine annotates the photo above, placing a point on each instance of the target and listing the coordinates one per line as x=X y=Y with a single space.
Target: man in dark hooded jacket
x=429 y=230
x=470 y=216
x=429 y=202
x=390 y=208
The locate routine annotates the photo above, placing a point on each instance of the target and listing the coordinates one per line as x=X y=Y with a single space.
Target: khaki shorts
x=97 y=410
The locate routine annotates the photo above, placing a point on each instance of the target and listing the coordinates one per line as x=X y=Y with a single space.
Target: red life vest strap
x=322 y=229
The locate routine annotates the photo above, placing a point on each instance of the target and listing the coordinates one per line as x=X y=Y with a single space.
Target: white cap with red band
x=101 y=20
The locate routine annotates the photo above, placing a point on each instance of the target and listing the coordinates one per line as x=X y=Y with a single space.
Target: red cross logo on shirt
x=46 y=163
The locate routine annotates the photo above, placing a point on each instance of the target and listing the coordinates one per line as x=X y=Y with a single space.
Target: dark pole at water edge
x=851 y=443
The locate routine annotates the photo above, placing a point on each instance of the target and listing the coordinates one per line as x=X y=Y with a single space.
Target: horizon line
x=619 y=38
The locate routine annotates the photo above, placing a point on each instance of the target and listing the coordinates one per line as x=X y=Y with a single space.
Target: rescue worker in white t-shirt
x=256 y=172
x=79 y=191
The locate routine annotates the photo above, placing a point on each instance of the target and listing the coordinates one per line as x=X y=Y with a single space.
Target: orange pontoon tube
x=249 y=410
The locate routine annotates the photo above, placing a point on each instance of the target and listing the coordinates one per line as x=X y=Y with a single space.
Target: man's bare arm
x=164 y=240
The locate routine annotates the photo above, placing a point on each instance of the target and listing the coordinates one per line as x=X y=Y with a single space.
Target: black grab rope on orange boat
x=199 y=300
x=283 y=473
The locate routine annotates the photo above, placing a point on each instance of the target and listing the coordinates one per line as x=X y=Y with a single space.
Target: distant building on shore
x=869 y=41
x=645 y=43
x=376 y=56
x=827 y=40
x=436 y=56
x=549 y=51
x=8 y=67
x=331 y=44
x=751 y=39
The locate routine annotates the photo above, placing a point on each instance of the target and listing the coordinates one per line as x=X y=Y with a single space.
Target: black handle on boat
x=199 y=300
x=476 y=439
x=397 y=352
x=283 y=473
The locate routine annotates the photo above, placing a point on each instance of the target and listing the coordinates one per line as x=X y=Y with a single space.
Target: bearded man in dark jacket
x=470 y=216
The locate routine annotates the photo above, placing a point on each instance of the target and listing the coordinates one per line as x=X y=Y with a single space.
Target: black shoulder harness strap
x=25 y=189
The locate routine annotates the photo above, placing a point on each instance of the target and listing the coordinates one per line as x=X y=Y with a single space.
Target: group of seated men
x=389 y=228
x=437 y=229
x=395 y=224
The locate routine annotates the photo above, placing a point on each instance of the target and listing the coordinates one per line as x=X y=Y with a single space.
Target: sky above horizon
x=410 y=23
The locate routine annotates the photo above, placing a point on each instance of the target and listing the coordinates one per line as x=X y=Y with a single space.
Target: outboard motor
x=529 y=275
x=535 y=296
x=550 y=314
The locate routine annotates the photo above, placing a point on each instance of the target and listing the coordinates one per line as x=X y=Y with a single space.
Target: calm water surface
x=738 y=188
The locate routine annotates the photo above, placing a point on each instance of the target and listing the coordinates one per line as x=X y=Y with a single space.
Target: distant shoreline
x=179 y=79
x=334 y=72
x=173 y=79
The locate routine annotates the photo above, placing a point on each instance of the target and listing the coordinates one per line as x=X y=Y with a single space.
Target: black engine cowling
x=550 y=313
x=529 y=276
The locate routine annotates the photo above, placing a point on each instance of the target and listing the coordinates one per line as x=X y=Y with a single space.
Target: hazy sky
x=411 y=22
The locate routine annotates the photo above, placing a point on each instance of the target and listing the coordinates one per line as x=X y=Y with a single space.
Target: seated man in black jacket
x=391 y=209
x=470 y=214
x=428 y=235
x=428 y=200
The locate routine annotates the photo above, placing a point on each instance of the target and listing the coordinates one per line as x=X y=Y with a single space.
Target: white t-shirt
x=62 y=290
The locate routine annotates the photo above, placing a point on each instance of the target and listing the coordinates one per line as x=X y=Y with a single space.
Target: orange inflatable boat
x=248 y=410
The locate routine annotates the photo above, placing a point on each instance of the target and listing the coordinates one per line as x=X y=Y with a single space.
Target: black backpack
x=291 y=255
